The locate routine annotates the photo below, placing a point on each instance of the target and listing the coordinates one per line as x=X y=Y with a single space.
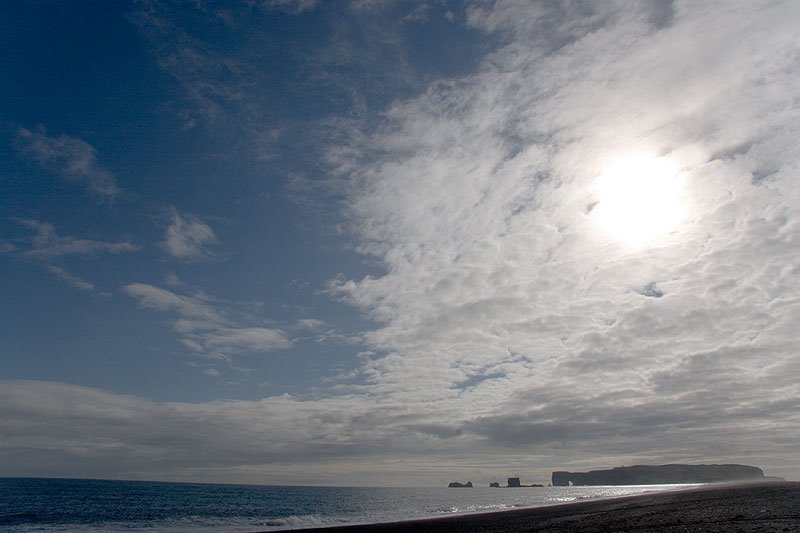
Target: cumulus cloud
x=206 y=326
x=71 y=159
x=187 y=237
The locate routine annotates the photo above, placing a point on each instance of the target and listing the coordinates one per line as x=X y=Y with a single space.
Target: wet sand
x=764 y=507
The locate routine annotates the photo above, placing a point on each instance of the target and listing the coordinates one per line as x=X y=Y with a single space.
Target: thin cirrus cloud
x=206 y=327
x=188 y=238
x=47 y=244
x=73 y=160
x=290 y=6
x=70 y=279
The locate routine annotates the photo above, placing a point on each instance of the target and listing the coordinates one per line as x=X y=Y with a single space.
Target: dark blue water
x=28 y=504
x=98 y=504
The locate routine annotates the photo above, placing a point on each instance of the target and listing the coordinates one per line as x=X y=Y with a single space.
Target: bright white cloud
x=187 y=237
x=70 y=158
x=502 y=288
x=639 y=199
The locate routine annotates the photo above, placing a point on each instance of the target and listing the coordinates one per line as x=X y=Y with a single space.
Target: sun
x=639 y=199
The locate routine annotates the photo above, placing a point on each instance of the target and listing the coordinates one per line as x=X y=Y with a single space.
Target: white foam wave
x=294 y=521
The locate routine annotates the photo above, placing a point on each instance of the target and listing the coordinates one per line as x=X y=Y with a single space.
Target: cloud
x=187 y=237
x=233 y=94
x=250 y=339
x=195 y=308
x=116 y=435
x=512 y=332
x=220 y=88
x=310 y=324
x=72 y=159
x=68 y=430
x=473 y=197
x=207 y=327
x=7 y=247
x=69 y=279
x=47 y=245
x=290 y=6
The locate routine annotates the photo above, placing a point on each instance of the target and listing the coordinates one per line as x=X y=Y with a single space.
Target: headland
x=662 y=475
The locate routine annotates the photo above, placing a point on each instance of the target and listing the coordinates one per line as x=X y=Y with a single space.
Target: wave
x=308 y=520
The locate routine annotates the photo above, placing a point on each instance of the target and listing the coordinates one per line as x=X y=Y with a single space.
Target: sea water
x=28 y=504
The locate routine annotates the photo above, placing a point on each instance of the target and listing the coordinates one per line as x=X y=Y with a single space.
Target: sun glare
x=639 y=199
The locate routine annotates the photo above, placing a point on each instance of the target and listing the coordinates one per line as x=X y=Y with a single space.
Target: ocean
x=32 y=504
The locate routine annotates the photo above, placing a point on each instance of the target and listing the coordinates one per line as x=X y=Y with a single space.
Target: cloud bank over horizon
x=484 y=319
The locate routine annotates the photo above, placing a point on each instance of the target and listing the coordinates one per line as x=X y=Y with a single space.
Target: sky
x=397 y=243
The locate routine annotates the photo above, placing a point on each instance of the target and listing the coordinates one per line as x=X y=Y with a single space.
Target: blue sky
x=170 y=162
x=367 y=242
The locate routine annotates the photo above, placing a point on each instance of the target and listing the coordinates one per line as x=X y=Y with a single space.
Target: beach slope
x=764 y=507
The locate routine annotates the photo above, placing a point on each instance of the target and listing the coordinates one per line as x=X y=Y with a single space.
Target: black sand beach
x=765 y=507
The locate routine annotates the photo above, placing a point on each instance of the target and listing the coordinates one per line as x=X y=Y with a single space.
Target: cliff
x=659 y=475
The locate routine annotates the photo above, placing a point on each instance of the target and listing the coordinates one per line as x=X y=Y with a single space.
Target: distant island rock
x=457 y=485
x=494 y=485
x=661 y=475
x=514 y=482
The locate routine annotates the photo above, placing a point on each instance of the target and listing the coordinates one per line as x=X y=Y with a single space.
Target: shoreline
x=763 y=506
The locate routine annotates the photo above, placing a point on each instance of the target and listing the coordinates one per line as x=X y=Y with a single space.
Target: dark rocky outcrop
x=494 y=485
x=514 y=482
x=659 y=475
x=457 y=485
